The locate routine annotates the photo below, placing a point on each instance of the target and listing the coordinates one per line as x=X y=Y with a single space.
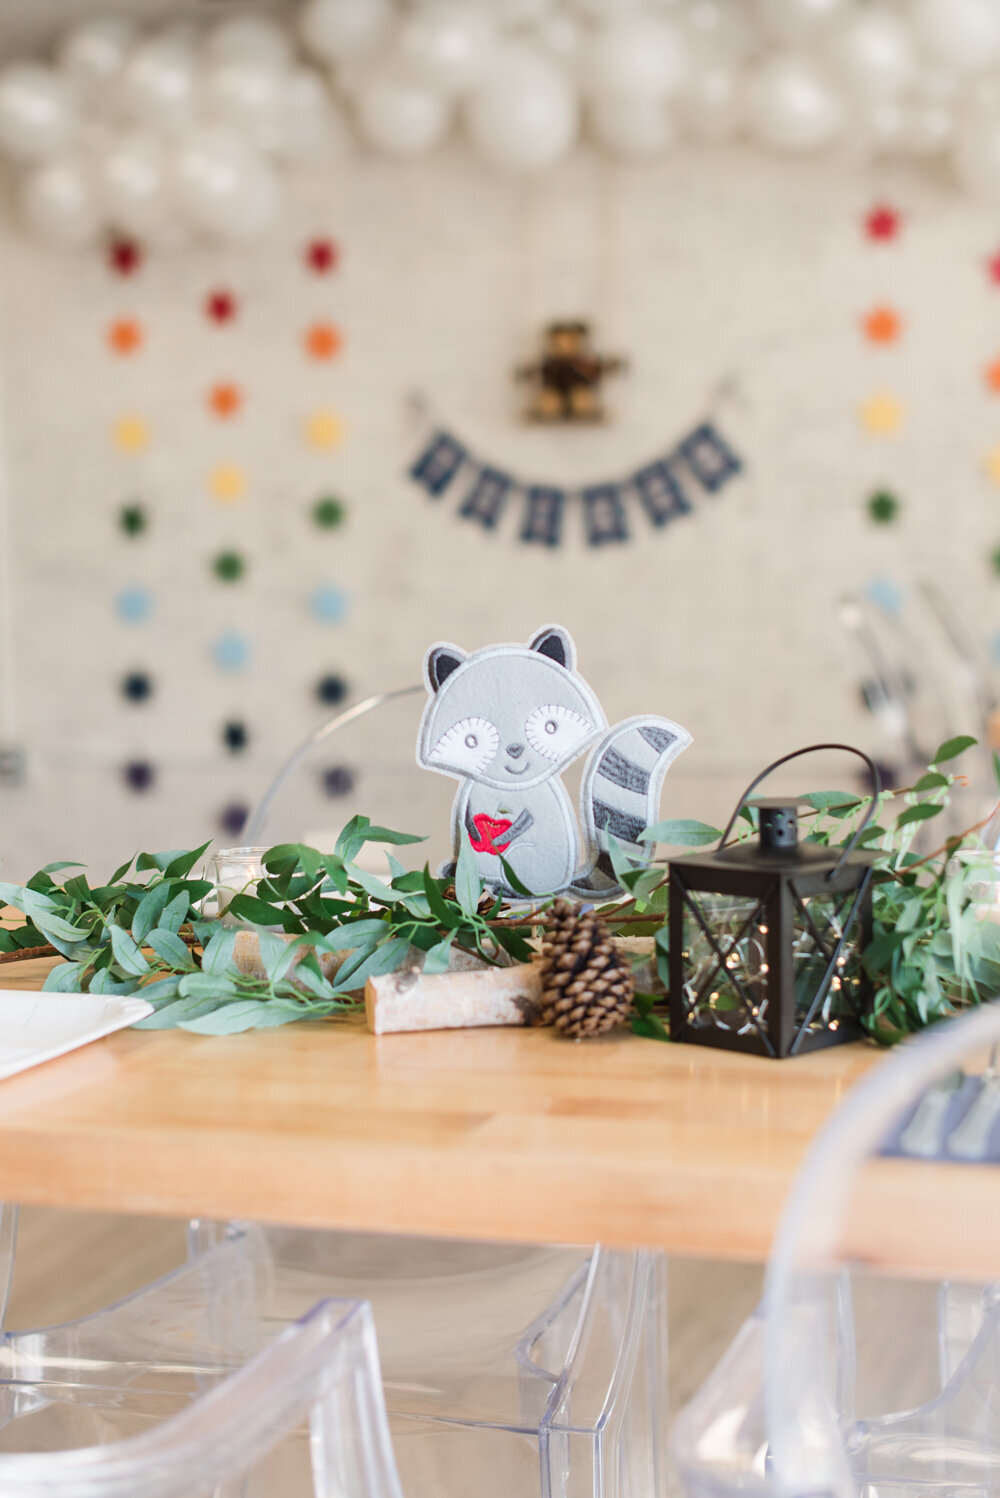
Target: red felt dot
x=124 y=256
x=220 y=306
x=322 y=255
x=882 y=222
x=993 y=267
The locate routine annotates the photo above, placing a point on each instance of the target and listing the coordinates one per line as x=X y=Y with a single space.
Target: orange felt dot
x=882 y=325
x=125 y=335
x=323 y=341
x=225 y=400
x=992 y=375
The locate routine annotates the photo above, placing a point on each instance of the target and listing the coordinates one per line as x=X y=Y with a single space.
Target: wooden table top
x=507 y=1134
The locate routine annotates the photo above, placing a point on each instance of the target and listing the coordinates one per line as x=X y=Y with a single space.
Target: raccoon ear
x=440 y=662
x=557 y=644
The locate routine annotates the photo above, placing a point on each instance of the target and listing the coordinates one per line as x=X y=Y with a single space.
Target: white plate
x=36 y=1027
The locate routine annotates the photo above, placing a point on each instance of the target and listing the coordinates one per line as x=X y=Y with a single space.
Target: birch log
x=407 y=1000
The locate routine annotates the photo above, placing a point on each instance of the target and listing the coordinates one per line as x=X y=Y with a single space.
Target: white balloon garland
x=186 y=131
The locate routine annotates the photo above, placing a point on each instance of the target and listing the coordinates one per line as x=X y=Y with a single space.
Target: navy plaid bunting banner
x=662 y=488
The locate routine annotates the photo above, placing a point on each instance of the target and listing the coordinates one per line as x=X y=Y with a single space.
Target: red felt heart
x=489 y=829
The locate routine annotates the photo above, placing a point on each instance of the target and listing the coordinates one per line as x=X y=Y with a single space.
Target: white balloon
x=158 y=83
x=720 y=28
x=636 y=126
x=876 y=52
x=311 y=127
x=798 y=20
x=37 y=116
x=224 y=187
x=133 y=184
x=246 y=95
x=977 y=154
x=560 y=34
x=58 y=201
x=93 y=54
x=447 y=44
x=638 y=54
x=961 y=34
x=713 y=105
x=336 y=29
x=792 y=105
x=525 y=115
x=253 y=39
x=401 y=116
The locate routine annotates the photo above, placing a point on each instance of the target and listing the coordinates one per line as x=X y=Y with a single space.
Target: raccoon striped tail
x=620 y=795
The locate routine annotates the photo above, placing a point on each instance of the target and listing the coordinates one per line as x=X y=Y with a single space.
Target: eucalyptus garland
x=146 y=928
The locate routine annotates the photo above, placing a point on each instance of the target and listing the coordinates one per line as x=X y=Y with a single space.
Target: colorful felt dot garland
x=128 y=337
x=881 y=324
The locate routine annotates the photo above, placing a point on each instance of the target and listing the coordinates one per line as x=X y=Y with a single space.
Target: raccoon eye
x=467 y=746
x=555 y=732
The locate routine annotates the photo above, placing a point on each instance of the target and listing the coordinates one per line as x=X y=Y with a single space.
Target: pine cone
x=587 y=984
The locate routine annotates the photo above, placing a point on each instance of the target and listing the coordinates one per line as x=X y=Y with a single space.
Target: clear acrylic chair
x=848 y=1381
x=507 y=1370
x=172 y=1394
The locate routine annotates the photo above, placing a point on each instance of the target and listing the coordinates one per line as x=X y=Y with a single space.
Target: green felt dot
x=132 y=519
x=329 y=512
x=228 y=566
x=995 y=559
x=883 y=507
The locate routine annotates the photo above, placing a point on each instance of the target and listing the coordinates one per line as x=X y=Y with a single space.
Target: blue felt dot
x=231 y=651
x=886 y=595
x=328 y=604
x=134 y=605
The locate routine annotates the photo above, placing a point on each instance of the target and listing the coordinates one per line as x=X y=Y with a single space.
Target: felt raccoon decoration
x=506 y=722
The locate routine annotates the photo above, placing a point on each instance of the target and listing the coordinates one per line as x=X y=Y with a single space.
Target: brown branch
x=24 y=953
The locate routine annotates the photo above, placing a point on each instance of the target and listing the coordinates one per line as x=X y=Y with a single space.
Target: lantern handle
x=815 y=749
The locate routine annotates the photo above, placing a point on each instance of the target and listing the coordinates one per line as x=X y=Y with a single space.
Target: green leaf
x=127 y=954
x=103 y=982
x=182 y=863
x=448 y=917
x=650 y=1027
x=207 y=986
x=355 y=934
x=121 y=871
x=373 y=886
x=71 y=863
x=149 y=910
x=468 y=885
x=438 y=958
x=514 y=882
x=952 y=748
x=170 y=1016
x=681 y=832
x=169 y=946
x=932 y=781
x=244 y=1014
x=919 y=813
x=158 y=861
x=252 y=908
x=385 y=959
x=831 y=800
x=218 y=953
x=67 y=977
x=176 y=912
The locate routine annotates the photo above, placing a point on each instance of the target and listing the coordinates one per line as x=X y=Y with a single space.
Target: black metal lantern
x=766 y=935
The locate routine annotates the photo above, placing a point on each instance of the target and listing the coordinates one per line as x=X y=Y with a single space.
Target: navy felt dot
x=139 y=775
x=235 y=736
x=338 y=780
x=331 y=689
x=137 y=686
x=232 y=818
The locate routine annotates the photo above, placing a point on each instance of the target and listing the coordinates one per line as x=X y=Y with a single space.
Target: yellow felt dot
x=227 y=483
x=130 y=434
x=882 y=415
x=324 y=429
x=992 y=464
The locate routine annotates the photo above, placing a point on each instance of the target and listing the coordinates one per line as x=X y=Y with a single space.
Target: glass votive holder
x=237 y=871
x=979 y=871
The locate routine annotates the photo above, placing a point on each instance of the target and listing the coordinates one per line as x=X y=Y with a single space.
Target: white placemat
x=36 y=1027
